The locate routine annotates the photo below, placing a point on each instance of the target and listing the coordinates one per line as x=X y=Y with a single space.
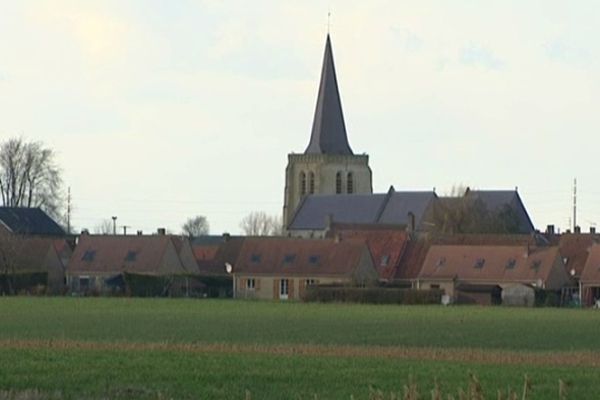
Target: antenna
x=574 y=204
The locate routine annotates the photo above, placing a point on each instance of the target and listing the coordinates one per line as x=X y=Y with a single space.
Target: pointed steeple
x=328 y=134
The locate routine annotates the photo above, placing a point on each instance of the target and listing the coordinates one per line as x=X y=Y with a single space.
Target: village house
x=100 y=262
x=282 y=268
x=492 y=274
x=589 y=281
x=213 y=254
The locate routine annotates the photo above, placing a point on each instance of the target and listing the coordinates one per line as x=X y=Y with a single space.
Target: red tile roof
x=490 y=263
x=300 y=256
x=387 y=244
x=574 y=248
x=133 y=254
x=591 y=270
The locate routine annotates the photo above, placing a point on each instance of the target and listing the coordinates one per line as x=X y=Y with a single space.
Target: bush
x=23 y=283
x=146 y=285
x=546 y=298
x=371 y=295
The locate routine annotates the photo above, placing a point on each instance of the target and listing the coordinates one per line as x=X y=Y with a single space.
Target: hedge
x=29 y=282
x=372 y=295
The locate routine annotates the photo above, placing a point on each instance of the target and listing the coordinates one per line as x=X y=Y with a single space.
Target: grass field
x=163 y=348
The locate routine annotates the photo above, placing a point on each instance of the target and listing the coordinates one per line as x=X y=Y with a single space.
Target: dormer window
x=385 y=260
x=313 y=259
x=289 y=258
x=440 y=262
x=89 y=255
x=479 y=263
x=510 y=264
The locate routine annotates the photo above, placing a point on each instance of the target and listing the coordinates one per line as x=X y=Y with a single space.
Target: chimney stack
x=593 y=230
x=161 y=231
x=140 y=233
x=226 y=236
x=577 y=229
x=550 y=230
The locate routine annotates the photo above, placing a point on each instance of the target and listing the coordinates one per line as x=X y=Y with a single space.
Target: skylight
x=385 y=260
x=313 y=259
x=510 y=264
x=131 y=256
x=89 y=255
x=255 y=258
x=479 y=263
x=289 y=258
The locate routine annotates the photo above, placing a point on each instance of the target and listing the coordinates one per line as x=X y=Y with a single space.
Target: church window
x=338 y=183
x=311 y=183
x=350 y=183
x=302 y=183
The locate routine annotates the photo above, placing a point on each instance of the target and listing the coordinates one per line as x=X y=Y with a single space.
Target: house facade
x=282 y=268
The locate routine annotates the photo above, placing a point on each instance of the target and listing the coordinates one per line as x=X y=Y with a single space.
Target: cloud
x=479 y=56
x=561 y=50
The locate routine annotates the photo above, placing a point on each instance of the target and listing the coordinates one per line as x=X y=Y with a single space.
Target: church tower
x=328 y=165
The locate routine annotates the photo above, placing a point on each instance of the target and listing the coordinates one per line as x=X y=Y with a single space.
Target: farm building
x=29 y=264
x=104 y=263
x=28 y=221
x=282 y=268
x=478 y=274
x=212 y=254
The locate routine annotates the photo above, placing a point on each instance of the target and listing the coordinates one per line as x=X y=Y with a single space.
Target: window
x=131 y=256
x=350 y=183
x=302 y=183
x=89 y=255
x=250 y=283
x=434 y=286
x=311 y=183
x=440 y=262
x=313 y=259
x=289 y=258
x=479 y=263
x=255 y=258
x=84 y=282
x=510 y=264
x=385 y=260
x=338 y=183
x=310 y=282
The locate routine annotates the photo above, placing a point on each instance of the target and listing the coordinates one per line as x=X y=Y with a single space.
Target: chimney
x=550 y=230
x=593 y=230
x=161 y=231
x=140 y=233
x=577 y=229
x=226 y=236
x=338 y=237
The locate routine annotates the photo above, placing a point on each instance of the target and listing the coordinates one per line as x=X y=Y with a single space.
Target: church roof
x=380 y=208
x=328 y=134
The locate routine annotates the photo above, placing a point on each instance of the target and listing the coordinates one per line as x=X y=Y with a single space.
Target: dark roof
x=380 y=208
x=574 y=248
x=496 y=199
x=304 y=257
x=328 y=134
x=29 y=221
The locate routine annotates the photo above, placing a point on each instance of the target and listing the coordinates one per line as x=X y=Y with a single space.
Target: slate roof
x=328 y=134
x=500 y=264
x=133 y=254
x=496 y=199
x=29 y=221
x=303 y=257
x=380 y=208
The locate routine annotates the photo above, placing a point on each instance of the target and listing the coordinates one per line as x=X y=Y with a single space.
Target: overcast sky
x=161 y=110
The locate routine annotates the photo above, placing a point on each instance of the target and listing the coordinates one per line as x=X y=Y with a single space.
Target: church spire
x=328 y=134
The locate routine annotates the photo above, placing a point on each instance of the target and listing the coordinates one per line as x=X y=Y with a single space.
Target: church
x=328 y=183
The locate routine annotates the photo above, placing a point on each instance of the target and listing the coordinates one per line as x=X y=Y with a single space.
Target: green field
x=163 y=348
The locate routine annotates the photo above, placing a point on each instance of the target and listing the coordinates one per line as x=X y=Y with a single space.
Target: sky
x=163 y=110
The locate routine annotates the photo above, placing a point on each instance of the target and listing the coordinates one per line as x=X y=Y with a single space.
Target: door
x=283 y=289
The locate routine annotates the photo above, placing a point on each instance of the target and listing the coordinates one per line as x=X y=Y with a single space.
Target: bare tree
x=29 y=176
x=105 y=227
x=259 y=223
x=196 y=226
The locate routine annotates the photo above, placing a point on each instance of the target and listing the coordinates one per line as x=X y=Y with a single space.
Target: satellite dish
x=539 y=283
x=228 y=268
x=573 y=272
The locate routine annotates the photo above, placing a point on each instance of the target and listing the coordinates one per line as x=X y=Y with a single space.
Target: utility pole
x=69 y=210
x=574 y=204
x=114 y=218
